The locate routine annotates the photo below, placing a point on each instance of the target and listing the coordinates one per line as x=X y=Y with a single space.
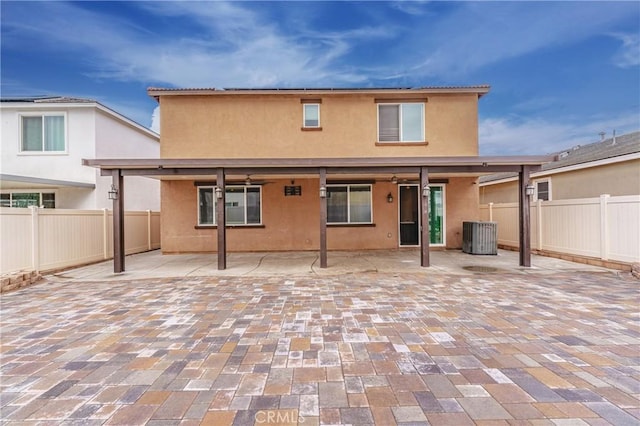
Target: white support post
x=490 y=212
x=604 y=227
x=539 y=223
x=149 y=230
x=35 y=238
x=105 y=234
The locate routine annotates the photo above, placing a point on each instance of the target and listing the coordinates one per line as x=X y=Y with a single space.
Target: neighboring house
x=611 y=166
x=309 y=169
x=44 y=140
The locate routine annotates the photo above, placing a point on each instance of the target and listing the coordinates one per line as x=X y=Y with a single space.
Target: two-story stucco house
x=309 y=169
x=44 y=140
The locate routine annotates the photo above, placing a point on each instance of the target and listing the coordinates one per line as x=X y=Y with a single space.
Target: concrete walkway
x=156 y=265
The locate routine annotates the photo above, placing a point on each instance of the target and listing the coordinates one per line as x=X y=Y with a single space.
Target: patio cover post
x=524 y=216
x=323 y=219
x=118 y=221
x=424 y=220
x=221 y=219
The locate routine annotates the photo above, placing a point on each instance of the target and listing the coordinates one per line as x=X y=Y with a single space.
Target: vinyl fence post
x=604 y=227
x=105 y=234
x=35 y=238
x=539 y=222
x=149 y=230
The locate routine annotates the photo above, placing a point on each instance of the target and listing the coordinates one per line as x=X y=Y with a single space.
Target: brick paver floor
x=356 y=349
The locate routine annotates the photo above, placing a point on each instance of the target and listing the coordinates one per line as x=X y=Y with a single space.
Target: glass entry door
x=409 y=215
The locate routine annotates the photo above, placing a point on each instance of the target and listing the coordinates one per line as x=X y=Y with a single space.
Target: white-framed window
x=311 y=115
x=543 y=190
x=403 y=122
x=243 y=205
x=349 y=204
x=43 y=133
x=28 y=198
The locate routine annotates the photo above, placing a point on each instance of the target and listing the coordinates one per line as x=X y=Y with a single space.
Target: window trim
x=63 y=114
x=538 y=181
x=348 y=186
x=199 y=224
x=400 y=131
x=304 y=115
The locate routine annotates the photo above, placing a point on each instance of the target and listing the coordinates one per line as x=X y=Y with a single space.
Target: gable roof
x=582 y=154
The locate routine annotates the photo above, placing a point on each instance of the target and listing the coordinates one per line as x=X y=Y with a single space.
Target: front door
x=409 y=215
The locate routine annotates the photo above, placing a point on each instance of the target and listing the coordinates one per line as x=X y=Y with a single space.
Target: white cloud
x=458 y=44
x=155 y=120
x=629 y=53
x=513 y=136
x=232 y=46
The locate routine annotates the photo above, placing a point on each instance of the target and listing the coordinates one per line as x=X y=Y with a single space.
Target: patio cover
x=173 y=168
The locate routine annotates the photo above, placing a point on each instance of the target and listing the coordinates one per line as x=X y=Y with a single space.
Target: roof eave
x=156 y=92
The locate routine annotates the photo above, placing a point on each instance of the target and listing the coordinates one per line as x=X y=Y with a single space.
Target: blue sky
x=560 y=72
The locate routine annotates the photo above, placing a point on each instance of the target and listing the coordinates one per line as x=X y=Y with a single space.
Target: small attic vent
x=564 y=154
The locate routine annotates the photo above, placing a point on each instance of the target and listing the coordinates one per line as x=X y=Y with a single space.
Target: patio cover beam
x=424 y=220
x=468 y=163
x=275 y=170
x=323 y=219
x=524 y=220
x=221 y=219
x=118 y=222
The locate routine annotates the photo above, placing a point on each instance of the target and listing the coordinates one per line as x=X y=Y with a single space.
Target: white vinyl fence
x=34 y=239
x=606 y=228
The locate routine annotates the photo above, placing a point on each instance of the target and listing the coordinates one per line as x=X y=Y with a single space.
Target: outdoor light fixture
x=323 y=192
x=218 y=193
x=113 y=193
x=394 y=179
x=247 y=181
x=425 y=191
x=389 y=198
x=529 y=190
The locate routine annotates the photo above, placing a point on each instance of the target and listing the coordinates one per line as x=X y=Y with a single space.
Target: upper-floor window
x=311 y=114
x=543 y=190
x=242 y=205
x=403 y=122
x=42 y=133
x=349 y=204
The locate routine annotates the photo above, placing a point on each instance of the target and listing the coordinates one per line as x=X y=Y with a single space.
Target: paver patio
x=383 y=348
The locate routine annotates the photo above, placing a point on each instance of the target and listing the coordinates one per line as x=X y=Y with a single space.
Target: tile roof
x=612 y=147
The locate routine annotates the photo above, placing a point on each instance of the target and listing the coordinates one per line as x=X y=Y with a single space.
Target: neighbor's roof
x=48 y=99
x=581 y=154
x=158 y=91
x=86 y=102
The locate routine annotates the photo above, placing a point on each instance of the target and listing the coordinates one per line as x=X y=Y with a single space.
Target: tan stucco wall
x=462 y=205
x=613 y=179
x=292 y=223
x=269 y=126
x=506 y=192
